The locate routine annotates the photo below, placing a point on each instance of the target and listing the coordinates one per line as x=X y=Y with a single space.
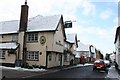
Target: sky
x=94 y=21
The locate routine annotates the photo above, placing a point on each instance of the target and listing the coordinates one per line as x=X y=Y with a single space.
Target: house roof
x=117 y=33
x=82 y=47
x=70 y=38
x=8 y=45
x=9 y=27
x=38 y=23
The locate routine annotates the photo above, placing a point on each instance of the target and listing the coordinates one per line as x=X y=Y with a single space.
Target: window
x=2 y=54
x=60 y=57
x=32 y=37
x=50 y=57
x=65 y=57
x=33 y=55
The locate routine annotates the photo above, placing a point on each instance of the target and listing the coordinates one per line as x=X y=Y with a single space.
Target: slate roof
x=82 y=47
x=38 y=23
x=70 y=38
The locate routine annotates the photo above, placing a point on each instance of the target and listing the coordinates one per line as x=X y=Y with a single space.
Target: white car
x=107 y=62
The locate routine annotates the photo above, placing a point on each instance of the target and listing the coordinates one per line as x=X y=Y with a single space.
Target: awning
x=9 y=45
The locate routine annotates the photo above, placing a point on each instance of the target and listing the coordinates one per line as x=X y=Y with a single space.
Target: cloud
x=88 y=8
x=51 y=7
x=11 y=9
x=104 y=0
x=102 y=38
x=115 y=20
x=106 y=14
x=101 y=32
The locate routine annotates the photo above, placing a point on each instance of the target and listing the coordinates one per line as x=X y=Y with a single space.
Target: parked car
x=108 y=63
x=100 y=65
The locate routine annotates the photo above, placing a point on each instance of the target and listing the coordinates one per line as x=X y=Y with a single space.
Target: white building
x=112 y=56
x=117 y=46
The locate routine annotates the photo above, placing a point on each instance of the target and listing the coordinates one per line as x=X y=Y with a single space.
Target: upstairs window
x=2 y=54
x=32 y=37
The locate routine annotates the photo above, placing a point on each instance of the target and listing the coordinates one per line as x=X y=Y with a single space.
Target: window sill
x=31 y=60
x=32 y=41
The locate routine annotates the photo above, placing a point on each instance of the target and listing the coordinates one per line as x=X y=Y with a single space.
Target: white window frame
x=2 y=54
x=32 y=37
x=32 y=55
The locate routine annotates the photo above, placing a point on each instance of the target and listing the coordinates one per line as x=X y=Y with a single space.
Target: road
x=79 y=73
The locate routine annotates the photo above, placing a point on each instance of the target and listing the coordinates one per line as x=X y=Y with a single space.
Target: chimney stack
x=24 y=17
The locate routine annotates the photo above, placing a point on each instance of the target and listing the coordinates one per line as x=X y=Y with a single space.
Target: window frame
x=32 y=55
x=50 y=57
x=1 y=54
x=32 y=37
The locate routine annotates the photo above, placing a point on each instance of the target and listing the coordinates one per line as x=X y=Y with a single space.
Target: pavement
x=113 y=73
x=8 y=73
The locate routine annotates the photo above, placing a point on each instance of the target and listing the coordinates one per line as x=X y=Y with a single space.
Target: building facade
x=83 y=53
x=43 y=48
x=117 y=46
x=37 y=41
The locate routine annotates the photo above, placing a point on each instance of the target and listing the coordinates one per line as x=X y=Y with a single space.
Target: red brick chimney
x=24 y=17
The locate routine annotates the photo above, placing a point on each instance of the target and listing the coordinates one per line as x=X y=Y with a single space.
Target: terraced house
x=37 y=41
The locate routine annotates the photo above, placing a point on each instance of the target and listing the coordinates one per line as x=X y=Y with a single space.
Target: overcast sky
x=96 y=20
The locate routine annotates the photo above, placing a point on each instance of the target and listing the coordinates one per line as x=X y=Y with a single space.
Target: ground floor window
x=33 y=55
x=65 y=57
x=2 y=54
x=50 y=57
